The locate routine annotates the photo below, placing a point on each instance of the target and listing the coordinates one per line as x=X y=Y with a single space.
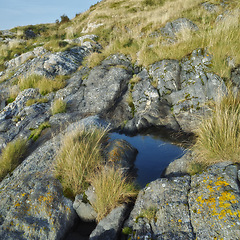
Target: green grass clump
x=111 y=189
x=35 y=133
x=44 y=84
x=12 y=156
x=149 y=214
x=59 y=106
x=78 y=158
x=218 y=136
x=33 y=101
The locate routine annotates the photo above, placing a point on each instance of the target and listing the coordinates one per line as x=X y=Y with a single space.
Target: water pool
x=154 y=155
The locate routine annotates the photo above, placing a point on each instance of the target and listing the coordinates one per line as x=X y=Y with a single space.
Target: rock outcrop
x=180 y=93
x=115 y=94
x=202 y=206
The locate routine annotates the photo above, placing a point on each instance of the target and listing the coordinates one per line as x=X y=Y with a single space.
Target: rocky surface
x=171 y=29
x=31 y=198
x=32 y=203
x=203 y=206
x=109 y=228
x=180 y=92
x=115 y=94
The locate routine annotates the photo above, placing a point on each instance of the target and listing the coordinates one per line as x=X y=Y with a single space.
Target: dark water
x=154 y=155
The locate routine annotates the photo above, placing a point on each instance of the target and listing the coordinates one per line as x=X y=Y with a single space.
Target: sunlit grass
x=218 y=136
x=12 y=156
x=79 y=156
x=44 y=84
x=112 y=188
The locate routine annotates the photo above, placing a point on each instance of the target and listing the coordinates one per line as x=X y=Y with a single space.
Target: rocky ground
x=121 y=95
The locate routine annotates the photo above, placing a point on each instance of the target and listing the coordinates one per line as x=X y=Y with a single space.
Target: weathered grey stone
x=210 y=7
x=102 y=88
x=108 y=228
x=121 y=154
x=84 y=210
x=17 y=61
x=197 y=87
x=235 y=76
x=179 y=166
x=214 y=203
x=52 y=64
x=147 y=106
x=32 y=205
x=161 y=211
x=16 y=119
x=172 y=28
x=166 y=74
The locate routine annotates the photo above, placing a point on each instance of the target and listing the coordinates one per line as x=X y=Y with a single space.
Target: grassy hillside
x=126 y=26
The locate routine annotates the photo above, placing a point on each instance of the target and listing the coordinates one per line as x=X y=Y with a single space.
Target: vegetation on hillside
x=126 y=27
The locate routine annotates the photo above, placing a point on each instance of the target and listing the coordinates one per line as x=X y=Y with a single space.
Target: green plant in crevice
x=127 y=231
x=149 y=214
x=35 y=133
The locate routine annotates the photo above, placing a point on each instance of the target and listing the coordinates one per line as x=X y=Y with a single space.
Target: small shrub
x=35 y=133
x=44 y=84
x=127 y=231
x=79 y=156
x=64 y=19
x=12 y=156
x=59 y=106
x=111 y=189
x=218 y=136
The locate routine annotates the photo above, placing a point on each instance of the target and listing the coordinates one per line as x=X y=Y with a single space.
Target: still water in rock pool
x=154 y=155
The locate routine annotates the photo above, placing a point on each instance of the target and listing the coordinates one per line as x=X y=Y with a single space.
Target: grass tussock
x=79 y=156
x=33 y=101
x=111 y=189
x=59 y=106
x=12 y=156
x=44 y=84
x=218 y=136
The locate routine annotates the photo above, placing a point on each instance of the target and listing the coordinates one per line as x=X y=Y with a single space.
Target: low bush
x=59 y=106
x=218 y=136
x=111 y=189
x=78 y=158
x=12 y=156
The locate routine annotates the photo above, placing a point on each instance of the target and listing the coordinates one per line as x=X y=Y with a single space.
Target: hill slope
x=134 y=28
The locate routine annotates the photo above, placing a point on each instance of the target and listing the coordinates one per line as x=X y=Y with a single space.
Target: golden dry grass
x=58 y=106
x=79 y=156
x=111 y=189
x=44 y=84
x=12 y=156
x=218 y=136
